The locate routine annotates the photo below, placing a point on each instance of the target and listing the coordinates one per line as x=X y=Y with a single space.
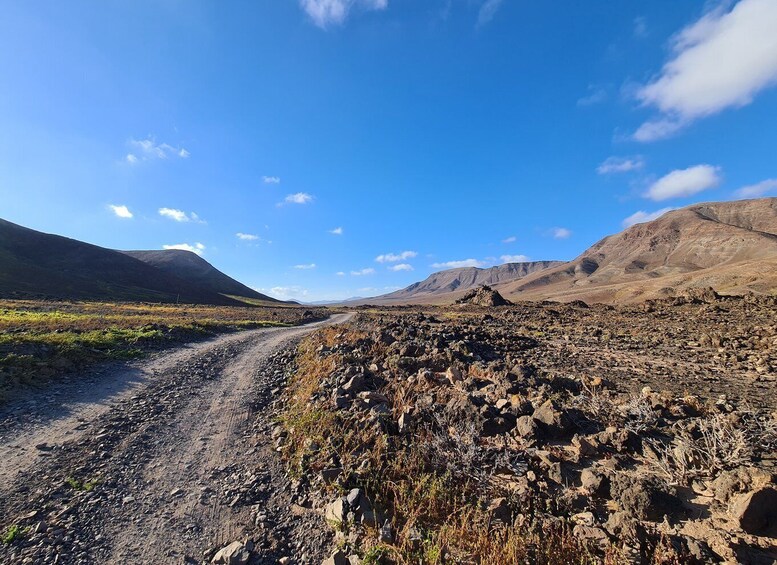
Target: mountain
x=196 y=270
x=443 y=283
x=39 y=265
x=730 y=246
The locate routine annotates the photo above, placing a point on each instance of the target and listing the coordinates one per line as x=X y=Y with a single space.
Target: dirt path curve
x=177 y=449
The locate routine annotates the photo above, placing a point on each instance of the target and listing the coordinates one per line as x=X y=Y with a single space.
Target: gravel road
x=164 y=460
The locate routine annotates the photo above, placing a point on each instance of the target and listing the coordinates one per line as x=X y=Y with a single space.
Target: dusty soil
x=161 y=461
x=640 y=434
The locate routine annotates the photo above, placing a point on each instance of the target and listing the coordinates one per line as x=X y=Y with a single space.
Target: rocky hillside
x=730 y=246
x=443 y=283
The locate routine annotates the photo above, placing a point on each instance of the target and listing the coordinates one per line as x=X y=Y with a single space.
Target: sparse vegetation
x=480 y=438
x=40 y=339
x=13 y=533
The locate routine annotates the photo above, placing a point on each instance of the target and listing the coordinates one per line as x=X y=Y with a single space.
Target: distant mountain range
x=443 y=283
x=730 y=246
x=39 y=265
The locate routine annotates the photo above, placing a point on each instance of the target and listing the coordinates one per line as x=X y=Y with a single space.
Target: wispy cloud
x=757 y=190
x=487 y=11
x=596 y=95
x=197 y=248
x=246 y=236
x=297 y=198
x=395 y=257
x=325 y=13
x=121 y=211
x=458 y=264
x=514 y=258
x=560 y=233
x=363 y=272
x=684 y=182
x=336 y=231
x=620 y=165
x=511 y=239
x=287 y=292
x=720 y=61
x=640 y=28
x=180 y=215
x=271 y=180
x=148 y=149
x=340 y=273
x=401 y=267
x=642 y=216
x=305 y=267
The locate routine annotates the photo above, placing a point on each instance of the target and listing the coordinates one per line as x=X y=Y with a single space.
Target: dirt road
x=161 y=461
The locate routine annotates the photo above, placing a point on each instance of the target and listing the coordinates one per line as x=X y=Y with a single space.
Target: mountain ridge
x=35 y=264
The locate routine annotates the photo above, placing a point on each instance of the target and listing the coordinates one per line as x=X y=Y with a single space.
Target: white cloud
x=458 y=264
x=327 y=12
x=179 y=215
x=148 y=149
x=271 y=180
x=658 y=129
x=722 y=60
x=197 y=248
x=395 y=257
x=560 y=233
x=487 y=11
x=246 y=236
x=336 y=231
x=305 y=267
x=401 y=267
x=684 y=182
x=596 y=94
x=297 y=198
x=514 y=258
x=287 y=292
x=340 y=273
x=120 y=210
x=620 y=165
x=642 y=216
x=367 y=271
x=757 y=190
x=511 y=239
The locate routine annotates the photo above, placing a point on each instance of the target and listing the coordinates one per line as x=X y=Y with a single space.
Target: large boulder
x=756 y=511
x=483 y=296
x=236 y=553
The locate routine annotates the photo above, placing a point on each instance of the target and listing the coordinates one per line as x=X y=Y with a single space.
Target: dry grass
x=432 y=487
x=39 y=339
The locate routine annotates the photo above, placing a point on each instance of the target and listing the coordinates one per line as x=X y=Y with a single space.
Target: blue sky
x=323 y=149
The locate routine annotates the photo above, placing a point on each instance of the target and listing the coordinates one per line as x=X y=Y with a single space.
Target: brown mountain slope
x=731 y=246
x=458 y=281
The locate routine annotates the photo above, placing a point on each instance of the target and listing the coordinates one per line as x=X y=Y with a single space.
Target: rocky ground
x=525 y=433
x=179 y=467
x=542 y=433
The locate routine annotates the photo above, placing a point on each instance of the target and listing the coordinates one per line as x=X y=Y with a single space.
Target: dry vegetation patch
x=40 y=339
x=530 y=434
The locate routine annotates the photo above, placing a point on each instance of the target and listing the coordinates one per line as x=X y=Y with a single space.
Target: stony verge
x=541 y=433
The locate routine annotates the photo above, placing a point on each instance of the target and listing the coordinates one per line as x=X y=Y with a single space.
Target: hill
x=39 y=265
x=443 y=283
x=730 y=246
x=194 y=269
